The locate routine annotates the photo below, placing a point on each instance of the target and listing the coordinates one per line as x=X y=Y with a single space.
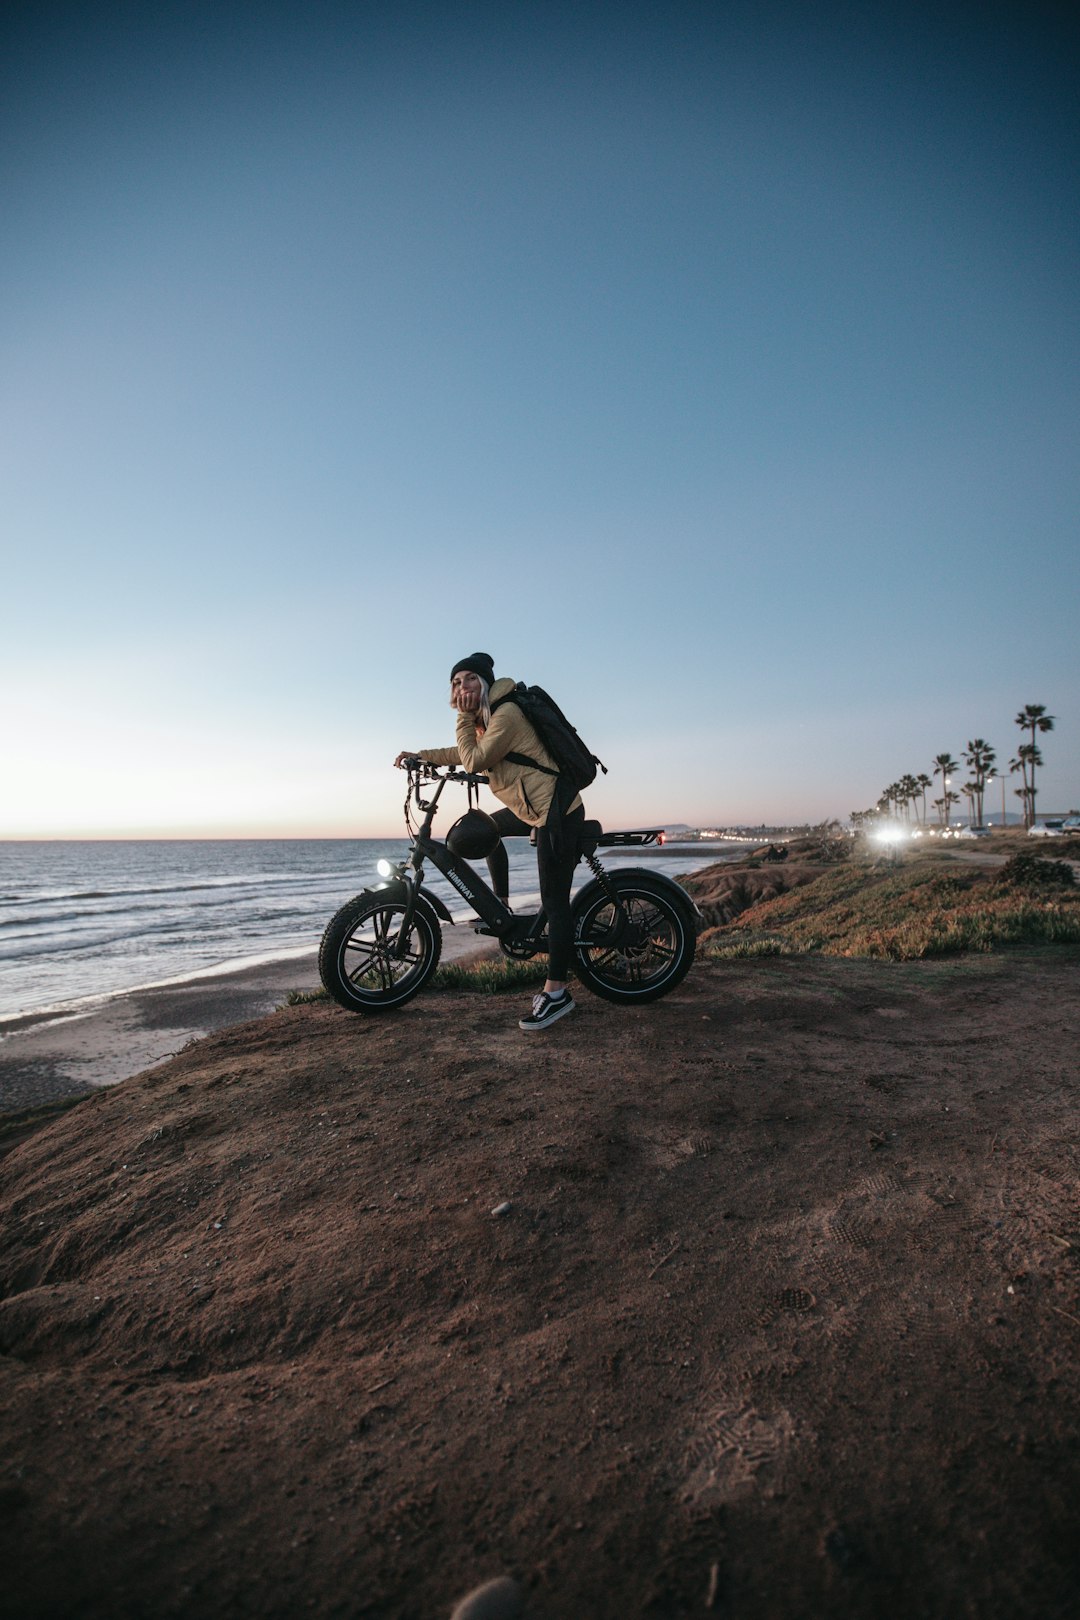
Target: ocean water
x=81 y=921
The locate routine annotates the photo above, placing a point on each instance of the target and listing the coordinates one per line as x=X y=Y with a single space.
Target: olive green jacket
x=525 y=791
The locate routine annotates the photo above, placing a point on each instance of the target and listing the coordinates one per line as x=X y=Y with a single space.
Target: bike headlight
x=384 y=868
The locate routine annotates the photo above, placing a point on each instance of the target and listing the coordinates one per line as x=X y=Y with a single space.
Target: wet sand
x=47 y=1057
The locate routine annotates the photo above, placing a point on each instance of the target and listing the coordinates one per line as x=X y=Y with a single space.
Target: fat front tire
x=646 y=958
x=358 y=961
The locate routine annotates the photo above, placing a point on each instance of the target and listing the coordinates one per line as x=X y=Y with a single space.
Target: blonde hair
x=483 y=714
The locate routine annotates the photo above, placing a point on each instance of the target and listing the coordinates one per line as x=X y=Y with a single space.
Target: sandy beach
x=47 y=1057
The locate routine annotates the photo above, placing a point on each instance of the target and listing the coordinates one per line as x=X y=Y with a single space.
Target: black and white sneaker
x=546 y=1009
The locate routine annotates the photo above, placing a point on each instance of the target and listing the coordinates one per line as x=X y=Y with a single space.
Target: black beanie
x=478 y=664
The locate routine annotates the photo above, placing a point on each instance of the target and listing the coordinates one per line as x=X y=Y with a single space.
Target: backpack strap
x=508 y=698
x=524 y=759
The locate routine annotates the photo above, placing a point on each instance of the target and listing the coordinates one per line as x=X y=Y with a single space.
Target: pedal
x=483 y=928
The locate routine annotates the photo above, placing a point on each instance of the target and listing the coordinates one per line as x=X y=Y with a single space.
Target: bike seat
x=591 y=833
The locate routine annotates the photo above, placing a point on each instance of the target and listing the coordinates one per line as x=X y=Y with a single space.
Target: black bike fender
x=585 y=896
x=395 y=889
x=436 y=904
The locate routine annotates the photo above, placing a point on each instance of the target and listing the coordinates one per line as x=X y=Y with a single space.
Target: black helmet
x=473 y=836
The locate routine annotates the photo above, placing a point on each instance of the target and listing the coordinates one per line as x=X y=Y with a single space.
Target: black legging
x=557 y=854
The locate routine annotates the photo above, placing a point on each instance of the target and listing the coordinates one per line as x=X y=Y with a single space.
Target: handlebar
x=424 y=771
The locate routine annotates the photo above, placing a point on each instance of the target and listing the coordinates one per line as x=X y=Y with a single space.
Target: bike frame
x=508 y=927
x=502 y=922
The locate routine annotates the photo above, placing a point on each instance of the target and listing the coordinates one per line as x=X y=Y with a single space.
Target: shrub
x=1027 y=868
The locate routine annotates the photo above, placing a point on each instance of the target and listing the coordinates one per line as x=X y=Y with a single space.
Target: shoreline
x=52 y=1056
x=86 y=1006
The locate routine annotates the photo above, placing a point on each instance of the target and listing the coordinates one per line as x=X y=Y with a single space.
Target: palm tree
x=910 y=789
x=1027 y=757
x=1032 y=717
x=890 y=799
x=979 y=759
x=945 y=766
x=923 y=782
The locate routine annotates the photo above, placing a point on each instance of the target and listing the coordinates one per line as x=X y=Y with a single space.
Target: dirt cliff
x=761 y=1301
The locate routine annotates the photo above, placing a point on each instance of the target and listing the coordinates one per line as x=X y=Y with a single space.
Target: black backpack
x=560 y=740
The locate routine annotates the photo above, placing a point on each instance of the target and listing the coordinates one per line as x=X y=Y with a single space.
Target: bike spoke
x=377 y=960
x=372 y=967
x=367 y=963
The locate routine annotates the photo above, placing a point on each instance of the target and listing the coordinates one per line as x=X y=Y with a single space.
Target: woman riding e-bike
x=521 y=773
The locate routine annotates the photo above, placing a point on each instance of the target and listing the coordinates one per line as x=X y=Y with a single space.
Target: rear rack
x=639 y=836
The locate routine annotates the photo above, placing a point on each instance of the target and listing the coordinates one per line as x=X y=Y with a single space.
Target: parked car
x=1047 y=829
x=1071 y=824
x=972 y=832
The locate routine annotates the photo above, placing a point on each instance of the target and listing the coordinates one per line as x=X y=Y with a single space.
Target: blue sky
x=714 y=366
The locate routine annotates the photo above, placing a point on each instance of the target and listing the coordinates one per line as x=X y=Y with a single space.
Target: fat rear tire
x=654 y=952
x=356 y=961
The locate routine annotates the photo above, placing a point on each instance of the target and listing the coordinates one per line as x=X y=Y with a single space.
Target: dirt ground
x=761 y=1301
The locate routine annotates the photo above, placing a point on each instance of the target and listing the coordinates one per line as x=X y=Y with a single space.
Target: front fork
x=413 y=877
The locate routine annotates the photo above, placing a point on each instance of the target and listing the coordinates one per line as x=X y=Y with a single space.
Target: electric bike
x=634 y=930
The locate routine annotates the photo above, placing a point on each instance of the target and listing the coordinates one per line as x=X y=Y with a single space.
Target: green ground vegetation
x=916 y=908
x=491 y=975
x=486 y=976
